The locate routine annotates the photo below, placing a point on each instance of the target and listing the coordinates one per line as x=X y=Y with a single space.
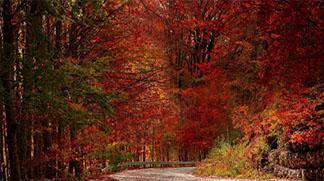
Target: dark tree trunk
x=57 y=63
x=22 y=133
x=8 y=85
x=2 y=146
x=34 y=49
x=74 y=165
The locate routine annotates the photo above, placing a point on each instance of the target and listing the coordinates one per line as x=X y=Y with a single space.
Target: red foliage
x=293 y=34
x=204 y=111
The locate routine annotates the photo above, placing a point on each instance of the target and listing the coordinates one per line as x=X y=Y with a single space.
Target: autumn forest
x=236 y=86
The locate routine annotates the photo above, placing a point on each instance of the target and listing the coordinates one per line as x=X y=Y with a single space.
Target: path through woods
x=165 y=174
x=86 y=85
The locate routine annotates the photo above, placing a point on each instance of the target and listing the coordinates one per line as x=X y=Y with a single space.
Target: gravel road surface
x=165 y=174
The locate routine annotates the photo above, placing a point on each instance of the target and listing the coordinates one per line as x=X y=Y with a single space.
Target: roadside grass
x=226 y=160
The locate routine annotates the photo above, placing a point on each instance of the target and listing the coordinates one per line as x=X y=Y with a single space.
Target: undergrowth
x=226 y=160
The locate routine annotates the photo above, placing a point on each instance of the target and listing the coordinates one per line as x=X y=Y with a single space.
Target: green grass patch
x=226 y=160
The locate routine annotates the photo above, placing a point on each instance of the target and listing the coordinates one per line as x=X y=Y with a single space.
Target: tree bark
x=9 y=92
x=34 y=49
x=57 y=59
x=74 y=165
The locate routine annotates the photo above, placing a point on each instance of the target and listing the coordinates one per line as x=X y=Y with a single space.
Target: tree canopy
x=89 y=84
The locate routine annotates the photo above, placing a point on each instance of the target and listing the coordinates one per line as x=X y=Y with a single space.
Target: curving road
x=164 y=174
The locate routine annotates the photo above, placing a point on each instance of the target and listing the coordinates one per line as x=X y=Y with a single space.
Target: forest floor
x=166 y=174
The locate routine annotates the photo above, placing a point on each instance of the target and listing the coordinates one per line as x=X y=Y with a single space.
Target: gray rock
x=308 y=160
x=316 y=174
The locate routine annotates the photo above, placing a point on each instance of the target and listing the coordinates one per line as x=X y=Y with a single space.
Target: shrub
x=226 y=160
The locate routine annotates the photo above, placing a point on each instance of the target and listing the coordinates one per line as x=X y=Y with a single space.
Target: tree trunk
x=8 y=86
x=57 y=58
x=34 y=49
x=2 y=145
x=22 y=133
x=74 y=165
